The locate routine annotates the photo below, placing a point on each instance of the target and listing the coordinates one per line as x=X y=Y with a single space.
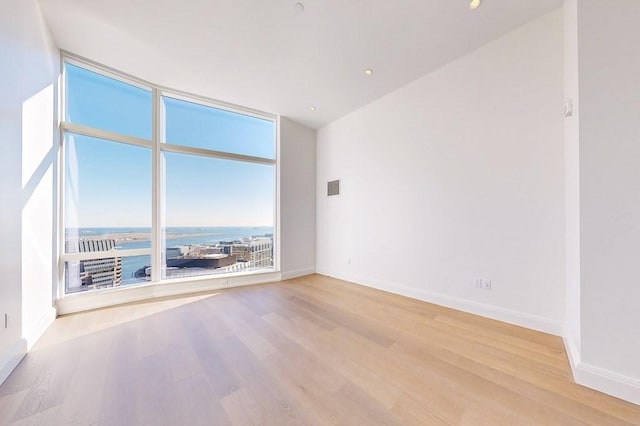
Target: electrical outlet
x=486 y=284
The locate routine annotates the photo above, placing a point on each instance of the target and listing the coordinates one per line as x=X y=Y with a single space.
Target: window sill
x=101 y=298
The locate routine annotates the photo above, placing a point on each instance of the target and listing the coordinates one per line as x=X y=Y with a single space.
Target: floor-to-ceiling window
x=159 y=185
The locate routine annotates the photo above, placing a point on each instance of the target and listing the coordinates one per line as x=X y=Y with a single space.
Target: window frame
x=157 y=147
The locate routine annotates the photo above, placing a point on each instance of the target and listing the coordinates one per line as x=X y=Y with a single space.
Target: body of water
x=175 y=236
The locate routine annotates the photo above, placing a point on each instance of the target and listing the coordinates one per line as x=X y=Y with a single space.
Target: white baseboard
x=573 y=353
x=11 y=357
x=116 y=296
x=618 y=385
x=34 y=333
x=600 y=379
x=531 y=321
x=297 y=273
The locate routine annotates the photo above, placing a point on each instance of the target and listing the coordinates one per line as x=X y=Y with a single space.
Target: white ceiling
x=268 y=55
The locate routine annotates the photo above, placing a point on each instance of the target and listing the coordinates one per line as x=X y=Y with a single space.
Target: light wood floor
x=314 y=350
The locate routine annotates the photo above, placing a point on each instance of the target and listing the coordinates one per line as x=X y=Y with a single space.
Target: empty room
x=249 y=212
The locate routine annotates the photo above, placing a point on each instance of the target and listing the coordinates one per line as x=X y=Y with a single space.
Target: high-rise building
x=256 y=252
x=94 y=273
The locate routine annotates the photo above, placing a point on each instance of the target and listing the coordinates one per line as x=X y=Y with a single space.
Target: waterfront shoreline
x=140 y=236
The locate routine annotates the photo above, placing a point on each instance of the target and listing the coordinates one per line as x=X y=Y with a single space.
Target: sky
x=108 y=184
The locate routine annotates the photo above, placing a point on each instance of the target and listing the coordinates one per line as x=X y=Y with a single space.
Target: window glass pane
x=114 y=271
x=219 y=216
x=107 y=194
x=200 y=126
x=108 y=104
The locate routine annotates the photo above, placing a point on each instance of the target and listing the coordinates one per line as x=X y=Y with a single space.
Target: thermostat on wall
x=333 y=187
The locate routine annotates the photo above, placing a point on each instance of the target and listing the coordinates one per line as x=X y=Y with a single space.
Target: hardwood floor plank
x=274 y=401
x=358 y=408
x=120 y=390
x=157 y=403
x=519 y=342
x=220 y=375
x=260 y=346
x=447 y=333
x=9 y=405
x=77 y=408
x=415 y=412
x=346 y=319
x=313 y=339
x=312 y=351
x=514 y=384
x=242 y=409
x=42 y=418
x=52 y=384
x=198 y=404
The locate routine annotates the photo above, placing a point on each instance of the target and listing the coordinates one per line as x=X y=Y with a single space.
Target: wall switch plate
x=477 y=282
x=486 y=284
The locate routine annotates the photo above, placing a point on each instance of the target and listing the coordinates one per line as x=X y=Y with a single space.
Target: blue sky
x=109 y=184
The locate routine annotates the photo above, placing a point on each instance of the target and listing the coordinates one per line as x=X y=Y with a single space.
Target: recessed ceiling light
x=312 y=108
x=474 y=4
x=368 y=71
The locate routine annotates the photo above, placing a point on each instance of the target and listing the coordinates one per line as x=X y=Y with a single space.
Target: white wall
x=609 y=138
x=28 y=84
x=572 y=177
x=297 y=199
x=454 y=176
